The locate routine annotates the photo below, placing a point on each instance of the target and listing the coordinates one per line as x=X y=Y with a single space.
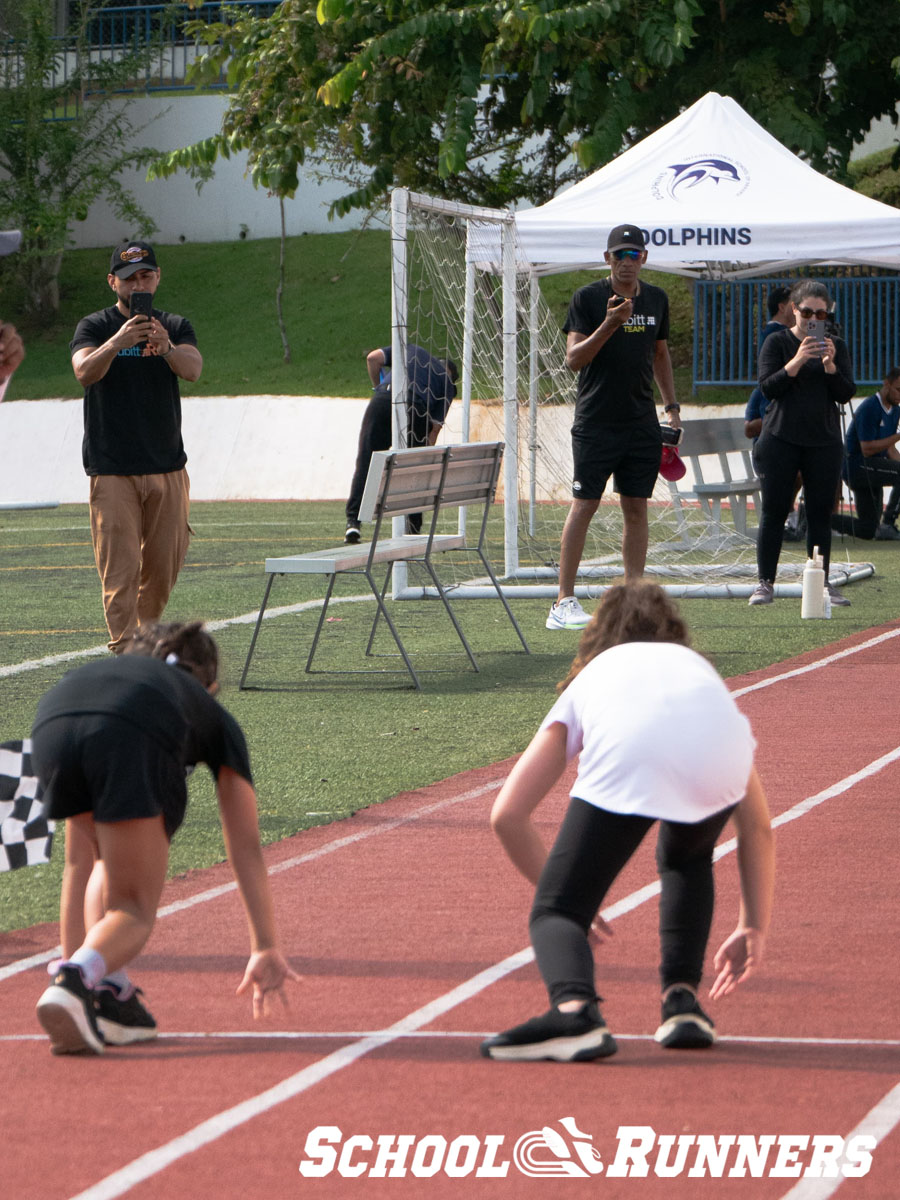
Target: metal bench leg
x=450 y=613
x=390 y=624
x=503 y=600
x=321 y=622
x=372 y=631
x=262 y=609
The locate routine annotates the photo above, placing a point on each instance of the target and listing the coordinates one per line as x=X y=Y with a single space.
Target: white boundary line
x=877 y=1123
x=52 y=660
x=349 y=1035
x=147 y=1165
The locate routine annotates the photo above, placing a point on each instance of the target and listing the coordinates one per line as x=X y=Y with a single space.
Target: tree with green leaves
x=65 y=140
x=511 y=99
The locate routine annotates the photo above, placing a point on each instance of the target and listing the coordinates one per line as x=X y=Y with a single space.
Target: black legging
x=778 y=463
x=592 y=847
x=375 y=433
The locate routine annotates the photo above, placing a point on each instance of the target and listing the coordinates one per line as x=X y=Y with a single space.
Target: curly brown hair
x=184 y=645
x=633 y=612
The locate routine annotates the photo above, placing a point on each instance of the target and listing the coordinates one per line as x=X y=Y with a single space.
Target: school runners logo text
x=564 y=1151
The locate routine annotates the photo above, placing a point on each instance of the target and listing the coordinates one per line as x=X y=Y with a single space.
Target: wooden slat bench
x=712 y=439
x=425 y=480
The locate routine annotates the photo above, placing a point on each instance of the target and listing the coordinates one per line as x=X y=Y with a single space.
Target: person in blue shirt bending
x=872 y=461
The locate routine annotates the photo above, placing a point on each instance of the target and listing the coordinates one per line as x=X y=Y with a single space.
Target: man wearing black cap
x=617 y=331
x=129 y=367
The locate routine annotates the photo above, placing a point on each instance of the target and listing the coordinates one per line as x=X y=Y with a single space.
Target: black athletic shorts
x=104 y=765
x=630 y=453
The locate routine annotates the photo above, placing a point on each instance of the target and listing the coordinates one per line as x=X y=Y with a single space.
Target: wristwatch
x=673 y=408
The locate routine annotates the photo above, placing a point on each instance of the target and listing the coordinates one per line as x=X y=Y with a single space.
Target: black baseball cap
x=624 y=236
x=9 y=241
x=129 y=257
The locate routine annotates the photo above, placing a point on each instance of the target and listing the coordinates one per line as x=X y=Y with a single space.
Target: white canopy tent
x=716 y=196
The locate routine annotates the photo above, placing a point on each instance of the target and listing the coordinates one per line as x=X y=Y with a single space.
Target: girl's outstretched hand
x=265 y=974
x=736 y=960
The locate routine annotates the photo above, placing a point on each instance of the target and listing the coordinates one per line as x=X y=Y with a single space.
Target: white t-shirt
x=658 y=733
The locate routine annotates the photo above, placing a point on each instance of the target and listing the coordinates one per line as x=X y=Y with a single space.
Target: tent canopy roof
x=716 y=195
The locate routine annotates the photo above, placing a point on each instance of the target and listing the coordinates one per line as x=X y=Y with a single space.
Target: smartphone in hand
x=140 y=304
x=815 y=328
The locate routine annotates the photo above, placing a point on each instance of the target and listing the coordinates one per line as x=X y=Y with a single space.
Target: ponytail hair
x=188 y=646
x=634 y=612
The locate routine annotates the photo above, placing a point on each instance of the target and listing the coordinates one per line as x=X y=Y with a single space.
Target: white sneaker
x=567 y=614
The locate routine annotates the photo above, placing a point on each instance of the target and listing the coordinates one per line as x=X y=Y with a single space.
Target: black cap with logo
x=625 y=236
x=129 y=257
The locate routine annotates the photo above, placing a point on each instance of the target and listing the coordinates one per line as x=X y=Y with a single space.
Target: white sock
x=91 y=964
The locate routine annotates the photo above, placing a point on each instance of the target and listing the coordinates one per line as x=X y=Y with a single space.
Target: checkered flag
x=25 y=833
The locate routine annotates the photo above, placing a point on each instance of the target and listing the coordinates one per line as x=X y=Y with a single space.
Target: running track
x=409 y=929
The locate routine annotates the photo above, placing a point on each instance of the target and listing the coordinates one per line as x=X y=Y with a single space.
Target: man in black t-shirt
x=129 y=367
x=617 y=331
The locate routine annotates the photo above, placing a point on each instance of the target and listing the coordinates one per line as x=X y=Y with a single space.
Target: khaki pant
x=140 y=530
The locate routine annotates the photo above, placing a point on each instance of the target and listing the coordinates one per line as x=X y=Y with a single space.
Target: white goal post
x=462 y=289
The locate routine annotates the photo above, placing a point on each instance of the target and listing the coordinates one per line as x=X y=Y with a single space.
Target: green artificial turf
x=325 y=746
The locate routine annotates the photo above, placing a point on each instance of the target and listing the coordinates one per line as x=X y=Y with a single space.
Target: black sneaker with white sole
x=685 y=1026
x=66 y=1011
x=352 y=536
x=122 y=1018
x=560 y=1036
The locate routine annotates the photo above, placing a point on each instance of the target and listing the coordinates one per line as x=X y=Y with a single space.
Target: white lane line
x=249 y=618
x=347 y=1035
x=53 y=660
x=45 y=956
x=151 y=1163
x=877 y=1123
x=815 y=666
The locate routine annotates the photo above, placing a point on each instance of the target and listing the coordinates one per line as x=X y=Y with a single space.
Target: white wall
x=225 y=208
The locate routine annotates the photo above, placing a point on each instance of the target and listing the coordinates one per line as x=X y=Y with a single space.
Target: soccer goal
x=462 y=289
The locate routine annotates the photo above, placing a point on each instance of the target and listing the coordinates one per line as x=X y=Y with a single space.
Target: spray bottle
x=812 y=603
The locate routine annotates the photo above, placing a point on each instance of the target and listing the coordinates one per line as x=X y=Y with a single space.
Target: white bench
x=423 y=480
x=711 y=440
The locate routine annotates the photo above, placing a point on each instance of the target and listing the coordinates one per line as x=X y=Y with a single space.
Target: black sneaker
x=561 y=1036
x=66 y=1011
x=351 y=537
x=122 y=1018
x=685 y=1026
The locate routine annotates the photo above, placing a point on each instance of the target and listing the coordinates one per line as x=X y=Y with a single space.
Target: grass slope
x=336 y=303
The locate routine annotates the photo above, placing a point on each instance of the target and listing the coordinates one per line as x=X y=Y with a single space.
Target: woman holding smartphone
x=805 y=373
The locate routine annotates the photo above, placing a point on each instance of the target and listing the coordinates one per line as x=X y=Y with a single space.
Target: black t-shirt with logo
x=132 y=416
x=616 y=386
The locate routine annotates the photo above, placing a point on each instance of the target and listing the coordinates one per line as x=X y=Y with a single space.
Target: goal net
x=461 y=288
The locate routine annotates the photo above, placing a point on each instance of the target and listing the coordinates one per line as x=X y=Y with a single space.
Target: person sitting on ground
x=871 y=462
x=111 y=745
x=660 y=739
x=431 y=387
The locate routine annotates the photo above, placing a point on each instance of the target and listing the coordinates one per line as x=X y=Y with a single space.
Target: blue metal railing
x=729 y=315
x=114 y=31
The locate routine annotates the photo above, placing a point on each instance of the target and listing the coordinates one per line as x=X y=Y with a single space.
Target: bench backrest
x=713 y=435
x=719 y=436
x=410 y=481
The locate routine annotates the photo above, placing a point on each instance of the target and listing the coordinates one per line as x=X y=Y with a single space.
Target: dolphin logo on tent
x=704 y=170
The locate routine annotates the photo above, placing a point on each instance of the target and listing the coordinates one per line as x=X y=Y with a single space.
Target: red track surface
x=407 y=902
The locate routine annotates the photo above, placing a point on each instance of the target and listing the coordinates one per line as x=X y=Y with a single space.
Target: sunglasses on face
x=623 y=254
x=806 y=313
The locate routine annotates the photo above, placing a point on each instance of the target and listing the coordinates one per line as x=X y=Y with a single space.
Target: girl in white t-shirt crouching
x=659 y=739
